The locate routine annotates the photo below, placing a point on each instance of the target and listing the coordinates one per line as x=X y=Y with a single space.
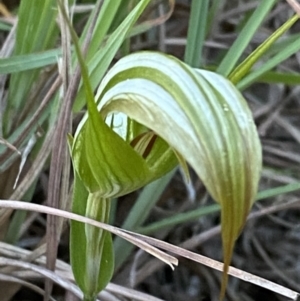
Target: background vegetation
x=168 y=209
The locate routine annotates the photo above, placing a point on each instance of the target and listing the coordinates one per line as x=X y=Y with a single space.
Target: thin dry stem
x=148 y=244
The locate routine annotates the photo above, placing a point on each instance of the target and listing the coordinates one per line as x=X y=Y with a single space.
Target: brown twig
x=59 y=153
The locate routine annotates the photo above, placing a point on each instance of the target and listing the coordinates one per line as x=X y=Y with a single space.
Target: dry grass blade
x=148 y=244
x=281 y=274
x=60 y=166
x=9 y=145
x=62 y=269
x=130 y=293
x=8 y=278
x=289 y=127
x=4 y=11
x=170 y=260
x=33 y=120
x=32 y=174
x=57 y=195
x=40 y=270
x=219 y=266
x=294 y=5
x=151 y=266
x=161 y=19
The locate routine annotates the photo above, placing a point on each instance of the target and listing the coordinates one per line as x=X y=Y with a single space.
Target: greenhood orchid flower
x=174 y=111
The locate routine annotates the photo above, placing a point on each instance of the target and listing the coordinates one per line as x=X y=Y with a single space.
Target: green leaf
x=107 y=262
x=101 y=60
x=5 y=26
x=77 y=233
x=98 y=268
x=248 y=63
x=29 y=61
x=272 y=77
x=196 y=32
x=104 y=21
x=37 y=35
x=90 y=245
x=269 y=65
x=244 y=37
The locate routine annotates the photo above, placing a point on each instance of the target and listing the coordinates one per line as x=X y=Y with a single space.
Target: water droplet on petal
x=225 y=107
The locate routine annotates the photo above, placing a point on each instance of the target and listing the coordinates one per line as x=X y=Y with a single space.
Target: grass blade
x=37 y=35
x=244 y=37
x=29 y=61
x=269 y=65
x=247 y=64
x=196 y=33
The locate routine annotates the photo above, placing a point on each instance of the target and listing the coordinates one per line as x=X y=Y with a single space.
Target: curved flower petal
x=203 y=117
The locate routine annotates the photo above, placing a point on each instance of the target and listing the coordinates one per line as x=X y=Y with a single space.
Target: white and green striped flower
x=197 y=116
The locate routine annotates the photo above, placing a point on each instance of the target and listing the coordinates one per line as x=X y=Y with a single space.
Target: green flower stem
x=97 y=208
